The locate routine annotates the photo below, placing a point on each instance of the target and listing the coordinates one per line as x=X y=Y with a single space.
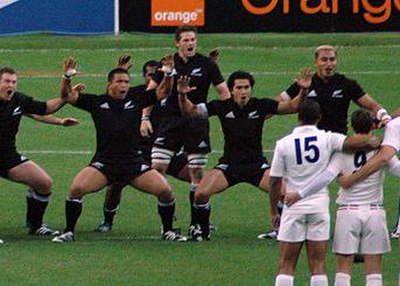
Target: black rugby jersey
x=10 y=118
x=116 y=124
x=242 y=128
x=202 y=72
x=334 y=98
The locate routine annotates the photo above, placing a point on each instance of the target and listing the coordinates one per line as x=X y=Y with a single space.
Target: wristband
x=380 y=113
x=69 y=74
x=168 y=72
x=145 y=118
x=386 y=117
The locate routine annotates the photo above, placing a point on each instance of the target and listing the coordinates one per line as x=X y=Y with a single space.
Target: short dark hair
x=115 y=71
x=4 y=70
x=309 y=112
x=362 y=121
x=150 y=63
x=240 y=75
x=183 y=29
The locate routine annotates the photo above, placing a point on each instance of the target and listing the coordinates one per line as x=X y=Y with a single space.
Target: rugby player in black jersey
x=177 y=132
x=242 y=118
x=178 y=166
x=14 y=166
x=117 y=157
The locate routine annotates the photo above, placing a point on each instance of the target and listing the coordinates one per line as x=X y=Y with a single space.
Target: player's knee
x=165 y=195
x=77 y=190
x=201 y=197
x=43 y=185
x=160 y=158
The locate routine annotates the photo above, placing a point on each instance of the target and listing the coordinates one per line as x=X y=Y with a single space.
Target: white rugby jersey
x=368 y=191
x=299 y=158
x=392 y=134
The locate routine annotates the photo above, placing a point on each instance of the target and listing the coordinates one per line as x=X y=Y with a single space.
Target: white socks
x=342 y=279
x=284 y=280
x=373 y=280
x=319 y=280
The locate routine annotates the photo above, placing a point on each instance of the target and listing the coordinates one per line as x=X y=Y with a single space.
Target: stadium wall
x=61 y=16
x=261 y=15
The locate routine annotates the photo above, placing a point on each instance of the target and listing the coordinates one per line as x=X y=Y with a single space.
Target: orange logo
x=177 y=12
x=375 y=13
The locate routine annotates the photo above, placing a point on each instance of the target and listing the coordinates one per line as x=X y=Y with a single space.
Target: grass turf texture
x=133 y=252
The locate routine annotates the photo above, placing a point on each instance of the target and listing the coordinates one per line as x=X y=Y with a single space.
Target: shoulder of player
x=137 y=89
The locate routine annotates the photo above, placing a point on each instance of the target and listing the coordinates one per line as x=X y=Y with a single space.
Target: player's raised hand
x=305 y=78
x=79 y=88
x=124 y=62
x=69 y=68
x=183 y=86
x=213 y=55
x=168 y=65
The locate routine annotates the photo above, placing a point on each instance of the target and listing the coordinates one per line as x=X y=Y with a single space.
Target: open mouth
x=190 y=49
x=9 y=92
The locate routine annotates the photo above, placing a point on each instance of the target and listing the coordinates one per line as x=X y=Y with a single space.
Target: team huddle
x=146 y=132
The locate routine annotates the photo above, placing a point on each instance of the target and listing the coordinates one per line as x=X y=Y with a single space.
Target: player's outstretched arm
x=304 y=83
x=380 y=159
x=50 y=119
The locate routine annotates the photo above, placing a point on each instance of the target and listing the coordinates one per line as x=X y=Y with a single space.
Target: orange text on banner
x=177 y=12
x=372 y=13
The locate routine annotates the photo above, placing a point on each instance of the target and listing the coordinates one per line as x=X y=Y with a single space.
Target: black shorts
x=191 y=134
x=243 y=173
x=123 y=172
x=9 y=161
x=177 y=163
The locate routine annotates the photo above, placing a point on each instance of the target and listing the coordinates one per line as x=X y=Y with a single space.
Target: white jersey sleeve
x=394 y=166
x=392 y=134
x=323 y=179
x=278 y=162
x=336 y=140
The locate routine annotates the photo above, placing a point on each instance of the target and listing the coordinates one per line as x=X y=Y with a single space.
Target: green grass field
x=133 y=253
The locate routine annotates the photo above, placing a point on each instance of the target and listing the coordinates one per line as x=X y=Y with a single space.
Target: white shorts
x=302 y=227
x=361 y=227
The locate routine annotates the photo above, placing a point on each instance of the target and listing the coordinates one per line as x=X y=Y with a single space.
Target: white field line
x=145 y=49
x=82 y=152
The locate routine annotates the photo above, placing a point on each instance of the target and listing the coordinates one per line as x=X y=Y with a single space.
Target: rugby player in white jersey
x=298 y=159
x=361 y=219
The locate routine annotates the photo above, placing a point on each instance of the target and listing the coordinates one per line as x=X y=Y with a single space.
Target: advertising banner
x=61 y=16
x=177 y=12
x=262 y=15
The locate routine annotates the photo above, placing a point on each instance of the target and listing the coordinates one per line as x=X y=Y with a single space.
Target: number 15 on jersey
x=306 y=149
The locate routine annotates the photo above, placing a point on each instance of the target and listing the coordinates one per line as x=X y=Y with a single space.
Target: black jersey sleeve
x=268 y=106
x=214 y=107
x=355 y=90
x=147 y=98
x=31 y=106
x=86 y=101
x=216 y=75
x=293 y=90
